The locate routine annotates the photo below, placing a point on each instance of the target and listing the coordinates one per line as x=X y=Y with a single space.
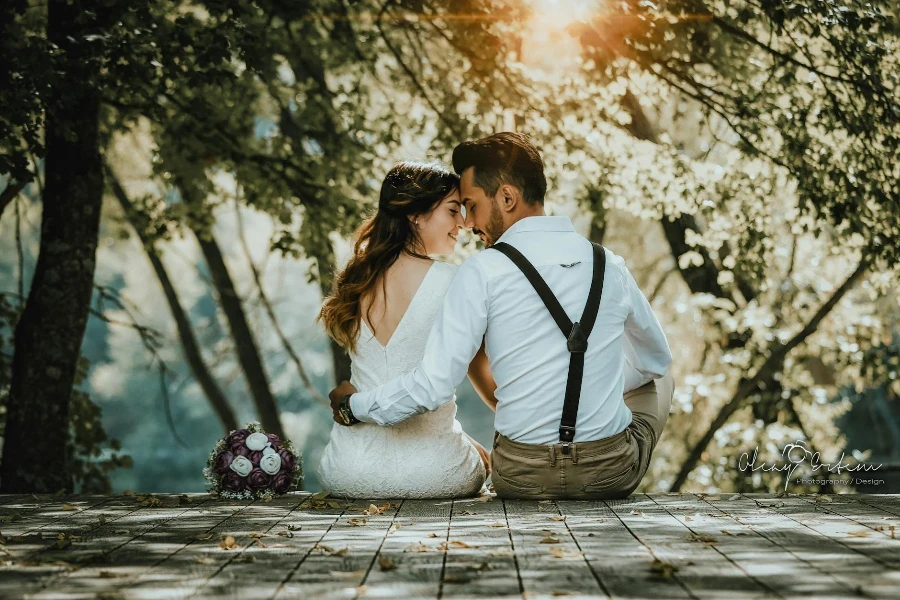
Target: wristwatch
x=346 y=412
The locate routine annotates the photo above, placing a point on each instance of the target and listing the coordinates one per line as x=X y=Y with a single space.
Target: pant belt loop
x=552 y=456
x=574 y=454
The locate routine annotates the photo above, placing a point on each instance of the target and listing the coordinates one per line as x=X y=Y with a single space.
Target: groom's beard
x=494 y=227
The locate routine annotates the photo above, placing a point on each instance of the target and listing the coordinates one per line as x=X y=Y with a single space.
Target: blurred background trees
x=742 y=157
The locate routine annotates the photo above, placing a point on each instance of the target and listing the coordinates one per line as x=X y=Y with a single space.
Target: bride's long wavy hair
x=408 y=190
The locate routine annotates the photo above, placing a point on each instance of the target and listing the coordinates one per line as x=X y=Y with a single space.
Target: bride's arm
x=482 y=379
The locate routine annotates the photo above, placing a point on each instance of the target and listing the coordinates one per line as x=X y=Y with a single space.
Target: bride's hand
x=485 y=455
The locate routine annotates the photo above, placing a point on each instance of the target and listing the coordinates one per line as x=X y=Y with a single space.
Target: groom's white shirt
x=491 y=299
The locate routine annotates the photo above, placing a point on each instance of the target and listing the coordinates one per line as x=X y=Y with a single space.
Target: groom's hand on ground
x=335 y=397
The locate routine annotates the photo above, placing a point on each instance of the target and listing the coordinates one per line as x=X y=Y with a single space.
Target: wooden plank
x=548 y=569
x=403 y=568
x=339 y=562
x=704 y=571
x=38 y=515
x=164 y=563
x=790 y=574
x=103 y=546
x=484 y=564
x=619 y=560
x=866 y=515
x=260 y=565
x=10 y=498
x=888 y=503
x=797 y=531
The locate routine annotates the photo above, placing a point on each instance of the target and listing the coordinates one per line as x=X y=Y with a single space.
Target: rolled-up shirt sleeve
x=647 y=353
x=452 y=343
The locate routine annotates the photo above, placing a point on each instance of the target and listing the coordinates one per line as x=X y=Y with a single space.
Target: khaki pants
x=597 y=470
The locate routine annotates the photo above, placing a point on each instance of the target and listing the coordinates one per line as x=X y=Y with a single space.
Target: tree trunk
x=245 y=343
x=189 y=344
x=48 y=337
x=339 y=358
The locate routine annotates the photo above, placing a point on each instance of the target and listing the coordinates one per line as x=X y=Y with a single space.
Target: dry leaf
x=294 y=527
x=735 y=497
x=456 y=579
x=860 y=533
x=482 y=567
x=288 y=534
x=386 y=563
x=501 y=553
x=485 y=498
x=228 y=543
x=688 y=518
x=70 y=507
x=636 y=512
x=550 y=540
x=341 y=552
x=497 y=524
x=356 y=522
x=373 y=510
x=662 y=569
x=563 y=553
x=418 y=547
x=432 y=535
x=205 y=560
x=108 y=575
x=706 y=539
x=460 y=544
x=121 y=532
x=823 y=498
x=347 y=574
x=558 y=518
x=467 y=512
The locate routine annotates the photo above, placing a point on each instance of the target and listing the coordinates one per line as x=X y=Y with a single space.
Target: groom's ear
x=509 y=197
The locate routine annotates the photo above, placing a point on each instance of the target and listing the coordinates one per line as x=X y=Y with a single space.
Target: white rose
x=270 y=463
x=269 y=450
x=256 y=441
x=241 y=465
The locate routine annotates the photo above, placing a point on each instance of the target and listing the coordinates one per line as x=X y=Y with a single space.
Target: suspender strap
x=577 y=333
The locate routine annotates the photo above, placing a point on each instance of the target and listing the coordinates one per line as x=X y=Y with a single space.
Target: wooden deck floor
x=302 y=546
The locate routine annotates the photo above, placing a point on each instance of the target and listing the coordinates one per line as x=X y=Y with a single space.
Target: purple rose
x=240 y=450
x=258 y=479
x=288 y=460
x=233 y=482
x=281 y=482
x=222 y=462
x=237 y=437
x=255 y=456
x=275 y=440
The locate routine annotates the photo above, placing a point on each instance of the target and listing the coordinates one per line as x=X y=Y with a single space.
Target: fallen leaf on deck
x=228 y=543
x=205 y=560
x=247 y=558
x=341 y=552
x=562 y=593
x=347 y=574
x=636 y=512
x=482 y=567
x=288 y=534
x=485 y=498
x=102 y=519
x=467 y=512
x=386 y=563
x=497 y=524
x=563 y=553
x=460 y=544
x=356 y=522
x=501 y=553
x=550 y=540
x=204 y=536
x=823 y=498
x=294 y=527
x=710 y=496
x=688 y=518
x=735 y=497
x=558 y=518
x=706 y=539
x=70 y=507
x=121 y=532
x=726 y=532
x=432 y=535
x=662 y=569
x=108 y=575
x=418 y=547
x=456 y=579
x=860 y=533
x=373 y=510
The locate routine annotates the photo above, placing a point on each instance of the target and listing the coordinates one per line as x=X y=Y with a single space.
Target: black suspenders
x=576 y=333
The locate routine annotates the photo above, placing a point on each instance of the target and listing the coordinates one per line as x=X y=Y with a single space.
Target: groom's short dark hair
x=504 y=158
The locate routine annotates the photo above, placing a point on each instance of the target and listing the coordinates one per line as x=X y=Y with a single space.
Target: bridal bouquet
x=252 y=464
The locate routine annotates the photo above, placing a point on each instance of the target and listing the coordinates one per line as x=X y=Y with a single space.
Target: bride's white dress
x=425 y=456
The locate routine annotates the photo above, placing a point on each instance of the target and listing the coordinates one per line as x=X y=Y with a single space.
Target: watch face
x=344 y=415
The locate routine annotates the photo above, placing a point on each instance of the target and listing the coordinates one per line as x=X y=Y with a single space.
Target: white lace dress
x=425 y=456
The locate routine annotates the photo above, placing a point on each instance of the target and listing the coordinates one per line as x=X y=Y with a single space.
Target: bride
x=382 y=308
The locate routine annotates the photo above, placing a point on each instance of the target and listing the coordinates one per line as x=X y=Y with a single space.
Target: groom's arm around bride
x=565 y=427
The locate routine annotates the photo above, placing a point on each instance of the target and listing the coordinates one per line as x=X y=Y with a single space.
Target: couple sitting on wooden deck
x=552 y=330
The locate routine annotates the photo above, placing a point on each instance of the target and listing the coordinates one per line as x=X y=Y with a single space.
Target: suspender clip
x=577 y=341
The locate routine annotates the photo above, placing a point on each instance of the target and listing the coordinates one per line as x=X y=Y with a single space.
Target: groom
x=579 y=358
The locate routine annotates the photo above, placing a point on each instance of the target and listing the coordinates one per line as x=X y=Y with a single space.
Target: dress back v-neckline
x=405 y=313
